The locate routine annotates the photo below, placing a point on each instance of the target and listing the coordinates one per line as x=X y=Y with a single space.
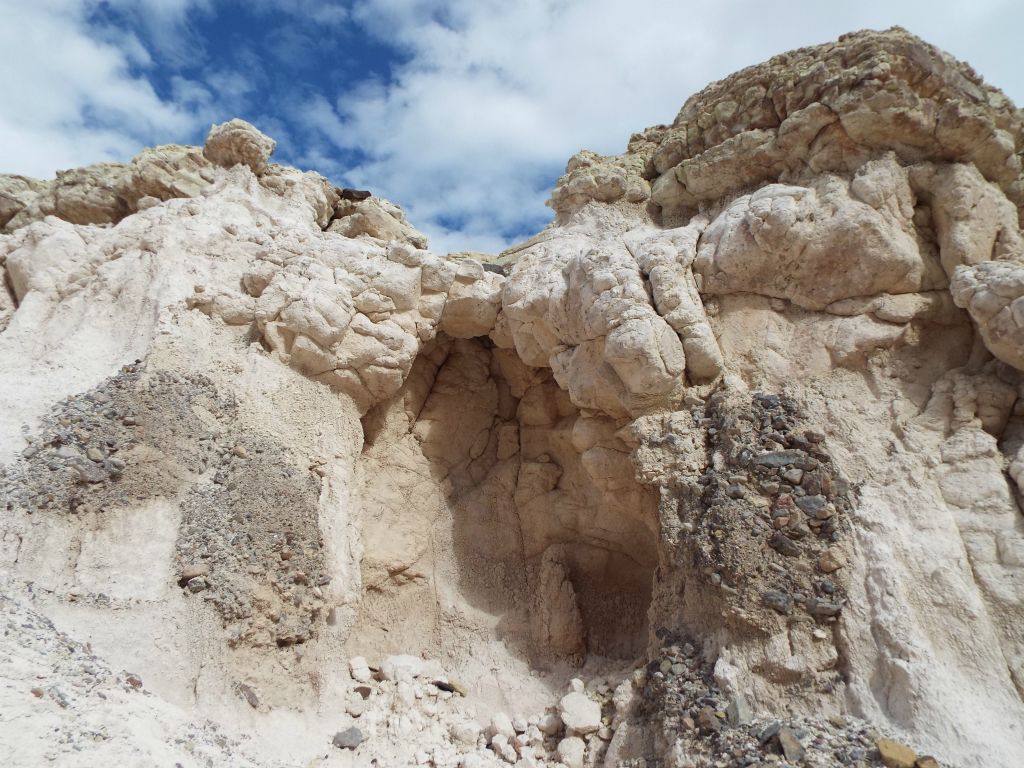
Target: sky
x=464 y=112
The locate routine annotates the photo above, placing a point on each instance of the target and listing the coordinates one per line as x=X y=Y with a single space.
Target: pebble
x=778 y=601
x=466 y=732
x=249 y=695
x=793 y=476
x=501 y=725
x=927 y=762
x=783 y=545
x=822 y=608
x=550 y=724
x=812 y=505
x=779 y=459
x=359 y=669
x=190 y=572
x=829 y=562
x=707 y=720
x=350 y=738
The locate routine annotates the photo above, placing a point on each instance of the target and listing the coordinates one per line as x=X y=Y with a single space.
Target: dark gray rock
x=783 y=545
x=812 y=505
x=777 y=601
x=823 y=608
x=350 y=738
x=778 y=459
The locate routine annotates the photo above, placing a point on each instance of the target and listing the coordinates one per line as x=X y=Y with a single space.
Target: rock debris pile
x=720 y=469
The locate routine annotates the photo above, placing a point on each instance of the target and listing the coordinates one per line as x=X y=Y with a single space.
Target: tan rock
x=237 y=142
x=896 y=755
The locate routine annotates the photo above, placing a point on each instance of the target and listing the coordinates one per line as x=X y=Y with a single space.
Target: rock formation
x=722 y=468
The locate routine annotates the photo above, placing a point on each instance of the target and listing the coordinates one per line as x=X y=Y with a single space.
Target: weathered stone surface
x=237 y=142
x=747 y=412
x=896 y=755
x=580 y=713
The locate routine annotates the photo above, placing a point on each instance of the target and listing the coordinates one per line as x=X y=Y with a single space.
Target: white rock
x=401 y=667
x=581 y=714
x=502 y=724
x=571 y=751
x=550 y=723
x=359 y=669
x=466 y=732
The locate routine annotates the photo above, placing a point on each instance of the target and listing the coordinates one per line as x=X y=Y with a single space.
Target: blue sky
x=464 y=111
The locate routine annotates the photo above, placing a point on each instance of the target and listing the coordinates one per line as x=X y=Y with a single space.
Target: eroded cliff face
x=736 y=440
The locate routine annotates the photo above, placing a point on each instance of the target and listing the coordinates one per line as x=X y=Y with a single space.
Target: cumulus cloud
x=493 y=97
x=74 y=94
x=463 y=111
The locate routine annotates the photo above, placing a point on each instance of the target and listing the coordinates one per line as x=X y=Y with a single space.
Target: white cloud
x=70 y=96
x=495 y=96
x=486 y=102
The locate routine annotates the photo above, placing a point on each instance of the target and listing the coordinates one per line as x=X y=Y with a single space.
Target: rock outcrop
x=721 y=469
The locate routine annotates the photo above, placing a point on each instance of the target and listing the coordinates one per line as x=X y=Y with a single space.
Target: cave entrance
x=497 y=518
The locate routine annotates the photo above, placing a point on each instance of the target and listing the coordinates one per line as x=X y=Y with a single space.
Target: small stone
x=896 y=755
x=192 y=571
x=814 y=437
x=571 y=751
x=707 y=720
x=793 y=476
x=501 y=725
x=792 y=749
x=240 y=452
x=580 y=714
x=94 y=454
x=734 y=491
x=926 y=761
x=356 y=707
x=778 y=601
x=549 y=724
x=838 y=720
x=198 y=584
x=577 y=686
x=359 y=669
x=829 y=562
x=783 y=545
x=738 y=712
x=401 y=666
x=249 y=695
x=779 y=459
x=822 y=608
x=811 y=504
x=350 y=738
x=466 y=732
